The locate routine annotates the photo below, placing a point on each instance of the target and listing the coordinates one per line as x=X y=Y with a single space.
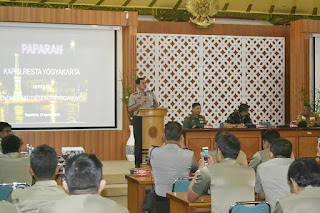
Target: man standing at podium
x=140 y=99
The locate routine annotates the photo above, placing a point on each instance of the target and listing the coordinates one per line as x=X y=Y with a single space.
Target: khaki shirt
x=14 y=167
x=229 y=182
x=306 y=201
x=242 y=157
x=272 y=180
x=136 y=97
x=260 y=157
x=169 y=163
x=30 y=199
x=86 y=203
x=6 y=207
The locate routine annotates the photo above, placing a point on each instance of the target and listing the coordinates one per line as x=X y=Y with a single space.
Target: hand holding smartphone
x=205 y=154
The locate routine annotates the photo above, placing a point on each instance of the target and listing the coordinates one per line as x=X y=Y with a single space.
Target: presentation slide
x=57 y=76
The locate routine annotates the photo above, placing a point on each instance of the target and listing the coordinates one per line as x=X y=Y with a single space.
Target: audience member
x=242 y=157
x=5 y=129
x=264 y=155
x=169 y=163
x=44 y=168
x=83 y=181
x=228 y=180
x=14 y=166
x=271 y=180
x=304 y=177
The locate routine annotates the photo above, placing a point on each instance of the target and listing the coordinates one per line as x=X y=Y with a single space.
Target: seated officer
x=271 y=180
x=195 y=120
x=304 y=177
x=14 y=166
x=264 y=155
x=83 y=181
x=169 y=163
x=7 y=207
x=307 y=116
x=228 y=180
x=44 y=168
x=240 y=118
x=242 y=157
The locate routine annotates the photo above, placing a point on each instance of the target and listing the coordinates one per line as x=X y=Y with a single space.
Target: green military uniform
x=14 y=167
x=6 y=207
x=83 y=204
x=229 y=182
x=32 y=198
x=307 y=200
x=242 y=157
x=260 y=157
x=311 y=120
x=193 y=122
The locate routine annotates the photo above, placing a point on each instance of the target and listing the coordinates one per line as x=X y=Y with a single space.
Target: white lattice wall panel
x=220 y=72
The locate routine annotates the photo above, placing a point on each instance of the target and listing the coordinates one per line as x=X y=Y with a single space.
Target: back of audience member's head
x=172 y=131
x=270 y=135
x=228 y=144
x=43 y=162
x=83 y=174
x=4 y=125
x=10 y=143
x=281 y=148
x=305 y=172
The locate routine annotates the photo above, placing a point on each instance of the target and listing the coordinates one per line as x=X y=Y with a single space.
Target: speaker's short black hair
x=305 y=172
x=83 y=174
x=4 y=125
x=44 y=161
x=270 y=135
x=243 y=108
x=138 y=80
x=10 y=143
x=195 y=105
x=228 y=144
x=281 y=147
x=172 y=131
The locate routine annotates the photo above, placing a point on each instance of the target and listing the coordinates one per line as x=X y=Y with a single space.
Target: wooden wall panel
x=227 y=29
x=299 y=61
x=106 y=144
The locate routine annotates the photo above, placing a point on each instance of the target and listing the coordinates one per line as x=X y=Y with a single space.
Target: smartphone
x=205 y=153
x=319 y=142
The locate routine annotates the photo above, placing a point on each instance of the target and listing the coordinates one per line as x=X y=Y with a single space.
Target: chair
x=7 y=188
x=250 y=207
x=181 y=185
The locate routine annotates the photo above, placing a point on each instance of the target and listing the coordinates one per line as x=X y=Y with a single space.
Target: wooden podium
x=152 y=126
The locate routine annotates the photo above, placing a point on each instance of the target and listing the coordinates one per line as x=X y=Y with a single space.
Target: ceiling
x=274 y=11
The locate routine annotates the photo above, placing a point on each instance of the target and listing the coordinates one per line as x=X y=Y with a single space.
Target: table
x=179 y=203
x=303 y=140
x=136 y=192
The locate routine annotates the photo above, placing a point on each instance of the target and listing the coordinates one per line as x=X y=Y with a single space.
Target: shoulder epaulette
x=149 y=90
x=202 y=116
x=188 y=116
x=186 y=148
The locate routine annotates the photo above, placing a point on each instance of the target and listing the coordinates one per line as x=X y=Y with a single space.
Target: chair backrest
x=5 y=191
x=7 y=188
x=250 y=207
x=181 y=185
